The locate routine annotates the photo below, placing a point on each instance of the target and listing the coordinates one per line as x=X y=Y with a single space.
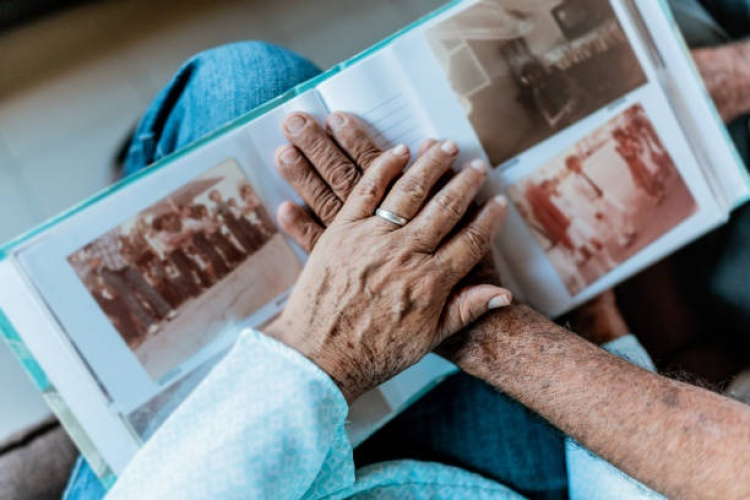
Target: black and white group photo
x=541 y=65
x=174 y=277
x=602 y=201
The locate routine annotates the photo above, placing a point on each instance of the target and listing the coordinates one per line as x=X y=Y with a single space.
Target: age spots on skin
x=671 y=398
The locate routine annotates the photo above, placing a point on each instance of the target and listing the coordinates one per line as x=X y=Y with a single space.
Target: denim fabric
x=210 y=90
x=468 y=424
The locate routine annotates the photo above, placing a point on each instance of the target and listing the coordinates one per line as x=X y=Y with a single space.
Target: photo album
x=591 y=113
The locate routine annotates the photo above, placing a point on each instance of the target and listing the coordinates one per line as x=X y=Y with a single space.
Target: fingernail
x=501 y=200
x=499 y=302
x=479 y=165
x=289 y=156
x=449 y=147
x=295 y=124
x=286 y=213
x=337 y=120
x=400 y=150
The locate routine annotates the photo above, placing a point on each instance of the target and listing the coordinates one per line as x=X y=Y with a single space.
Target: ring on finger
x=391 y=217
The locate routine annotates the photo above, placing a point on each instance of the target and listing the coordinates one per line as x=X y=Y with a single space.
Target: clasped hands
x=377 y=295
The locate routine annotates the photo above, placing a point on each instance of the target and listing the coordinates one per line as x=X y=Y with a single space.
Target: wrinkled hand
x=374 y=298
x=726 y=73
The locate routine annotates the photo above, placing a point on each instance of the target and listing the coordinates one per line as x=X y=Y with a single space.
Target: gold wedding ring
x=391 y=217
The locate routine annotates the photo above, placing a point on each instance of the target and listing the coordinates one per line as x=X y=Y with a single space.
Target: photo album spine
x=710 y=140
x=34 y=338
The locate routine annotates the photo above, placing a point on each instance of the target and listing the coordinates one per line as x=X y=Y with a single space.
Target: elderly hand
x=375 y=297
x=726 y=73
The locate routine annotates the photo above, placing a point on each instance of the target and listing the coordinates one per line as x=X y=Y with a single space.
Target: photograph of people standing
x=165 y=276
x=541 y=65
x=601 y=202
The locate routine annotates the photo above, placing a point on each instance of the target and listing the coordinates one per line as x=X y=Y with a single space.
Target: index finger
x=333 y=165
x=353 y=137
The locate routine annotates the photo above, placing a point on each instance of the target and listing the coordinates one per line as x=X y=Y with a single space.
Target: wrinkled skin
x=375 y=298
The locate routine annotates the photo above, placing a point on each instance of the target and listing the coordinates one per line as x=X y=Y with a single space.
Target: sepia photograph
x=540 y=66
x=601 y=202
x=175 y=277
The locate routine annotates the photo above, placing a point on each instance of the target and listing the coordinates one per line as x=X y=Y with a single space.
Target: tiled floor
x=72 y=85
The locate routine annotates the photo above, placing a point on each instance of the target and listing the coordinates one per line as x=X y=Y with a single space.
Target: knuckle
x=324 y=203
x=465 y=314
x=452 y=204
x=329 y=208
x=368 y=155
x=369 y=189
x=301 y=178
x=477 y=242
x=341 y=175
x=310 y=235
x=317 y=148
x=414 y=189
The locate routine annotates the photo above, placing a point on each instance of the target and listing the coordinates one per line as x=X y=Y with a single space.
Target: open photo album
x=591 y=113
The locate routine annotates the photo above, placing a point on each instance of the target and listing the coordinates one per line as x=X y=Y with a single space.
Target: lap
x=468 y=424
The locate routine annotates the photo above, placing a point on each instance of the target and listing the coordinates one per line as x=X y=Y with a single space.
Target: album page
x=144 y=295
x=377 y=91
x=373 y=90
x=151 y=288
x=708 y=137
x=565 y=101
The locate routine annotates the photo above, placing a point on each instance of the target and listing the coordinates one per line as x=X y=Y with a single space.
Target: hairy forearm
x=726 y=73
x=681 y=440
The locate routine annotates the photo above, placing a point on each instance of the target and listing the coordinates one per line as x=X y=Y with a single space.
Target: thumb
x=466 y=306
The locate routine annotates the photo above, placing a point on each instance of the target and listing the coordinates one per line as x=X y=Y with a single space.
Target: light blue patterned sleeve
x=266 y=423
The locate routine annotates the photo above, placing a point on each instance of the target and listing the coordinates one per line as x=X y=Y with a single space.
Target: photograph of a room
x=539 y=65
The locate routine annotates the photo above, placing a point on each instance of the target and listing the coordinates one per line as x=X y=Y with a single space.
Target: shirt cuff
x=630 y=349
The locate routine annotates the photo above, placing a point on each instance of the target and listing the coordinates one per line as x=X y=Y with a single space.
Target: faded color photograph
x=172 y=279
x=540 y=66
x=599 y=203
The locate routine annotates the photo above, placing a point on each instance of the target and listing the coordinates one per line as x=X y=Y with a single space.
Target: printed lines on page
x=393 y=122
